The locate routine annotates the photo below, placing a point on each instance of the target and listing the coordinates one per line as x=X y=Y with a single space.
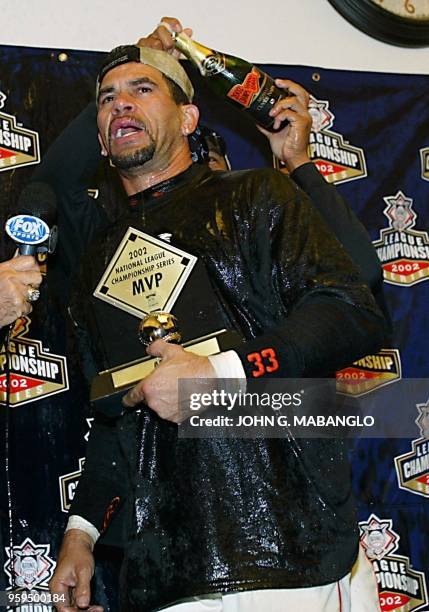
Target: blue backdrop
x=371 y=137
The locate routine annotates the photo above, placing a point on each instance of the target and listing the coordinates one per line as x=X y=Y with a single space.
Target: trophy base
x=108 y=387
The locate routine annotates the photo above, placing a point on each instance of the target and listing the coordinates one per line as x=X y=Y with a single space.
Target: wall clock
x=398 y=22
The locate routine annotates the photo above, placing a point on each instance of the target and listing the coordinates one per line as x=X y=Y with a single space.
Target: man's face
x=138 y=120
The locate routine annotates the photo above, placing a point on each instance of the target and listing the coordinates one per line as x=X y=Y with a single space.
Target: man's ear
x=104 y=151
x=191 y=114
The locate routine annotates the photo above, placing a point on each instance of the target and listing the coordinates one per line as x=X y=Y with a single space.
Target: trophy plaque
x=109 y=386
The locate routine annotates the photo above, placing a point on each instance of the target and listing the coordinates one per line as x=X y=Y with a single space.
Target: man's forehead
x=131 y=71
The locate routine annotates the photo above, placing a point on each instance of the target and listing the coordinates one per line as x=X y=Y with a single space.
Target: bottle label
x=246 y=92
x=213 y=64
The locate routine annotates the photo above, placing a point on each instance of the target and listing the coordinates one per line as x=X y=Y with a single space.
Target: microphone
x=33 y=229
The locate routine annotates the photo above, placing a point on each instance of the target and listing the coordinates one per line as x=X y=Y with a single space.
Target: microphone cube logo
x=27 y=229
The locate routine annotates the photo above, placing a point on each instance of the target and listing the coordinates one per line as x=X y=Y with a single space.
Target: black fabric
x=213 y=515
x=72 y=166
x=348 y=229
x=342 y=221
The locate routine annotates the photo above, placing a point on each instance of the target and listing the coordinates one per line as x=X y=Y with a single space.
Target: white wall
x=307 y=32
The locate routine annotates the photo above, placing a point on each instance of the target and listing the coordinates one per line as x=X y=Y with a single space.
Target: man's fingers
x=151 y=41
x=295 y=89
x=57 y=587
x=171 y=23
x=292 y=110
x=166 y=28
x=82 y=589
x=291 y=102
x=160 y=348
x=26 y=308
x=286 y=115
x=165 y=37
x=29 y=278
x=159 y=39
x=162 y=39
x=18 y=302
x=23 y=262
x=134 y=396
x=263 y=130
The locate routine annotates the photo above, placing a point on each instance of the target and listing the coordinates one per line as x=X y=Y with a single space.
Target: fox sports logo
x=27 y=229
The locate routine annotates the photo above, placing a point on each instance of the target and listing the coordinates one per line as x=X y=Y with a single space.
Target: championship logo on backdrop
x=34 y=372
x=412 y=469
x=370 y=373
x=32 y=565
x=68 y=486
x=401 y=588
x=19 y=146
x=334 y=157
x=377 y=537
x=424 y=158
x=68 y=482
x=89 y=422
x=403 y=251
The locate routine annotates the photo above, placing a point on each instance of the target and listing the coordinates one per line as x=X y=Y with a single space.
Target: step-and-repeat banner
x=371 y=138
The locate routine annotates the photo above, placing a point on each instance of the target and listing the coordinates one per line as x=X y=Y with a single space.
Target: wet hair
x=177 y=94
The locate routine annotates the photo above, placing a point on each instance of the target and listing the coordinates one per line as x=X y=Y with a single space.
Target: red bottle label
x=247 y=91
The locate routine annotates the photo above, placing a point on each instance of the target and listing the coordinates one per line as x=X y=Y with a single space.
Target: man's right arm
x=101 y=483
x=69 y=167
x=75 y=567
x=73 y=157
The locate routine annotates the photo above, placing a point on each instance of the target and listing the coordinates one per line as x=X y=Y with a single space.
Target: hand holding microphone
x=33 y=232
x=19 y=277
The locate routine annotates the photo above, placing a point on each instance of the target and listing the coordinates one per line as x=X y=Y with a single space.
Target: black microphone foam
x=39 y=200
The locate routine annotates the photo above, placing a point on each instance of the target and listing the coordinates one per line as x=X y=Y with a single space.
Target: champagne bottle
x=238 y=81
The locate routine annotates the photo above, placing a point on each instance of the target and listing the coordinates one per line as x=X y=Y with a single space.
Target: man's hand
x=161 y=37
x=17 y=276
x=72 y=577
x=160 y=390
x=290 y=145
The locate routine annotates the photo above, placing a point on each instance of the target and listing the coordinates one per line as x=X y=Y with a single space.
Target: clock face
x=399 y=22
x=411 y=9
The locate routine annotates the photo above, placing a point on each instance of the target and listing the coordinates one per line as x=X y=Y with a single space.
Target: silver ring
x=32 y=294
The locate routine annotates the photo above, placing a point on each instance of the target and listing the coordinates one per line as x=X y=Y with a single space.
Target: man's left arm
x=290 y=146
x=332 y=318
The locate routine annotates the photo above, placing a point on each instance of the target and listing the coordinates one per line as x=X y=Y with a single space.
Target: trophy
x=159 y=326
x=109 y=386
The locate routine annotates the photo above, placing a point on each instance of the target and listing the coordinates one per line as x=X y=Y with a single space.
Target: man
x=333 y=208
x=270 y=518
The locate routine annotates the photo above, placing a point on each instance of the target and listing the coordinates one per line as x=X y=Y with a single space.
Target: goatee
x=135 y=159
